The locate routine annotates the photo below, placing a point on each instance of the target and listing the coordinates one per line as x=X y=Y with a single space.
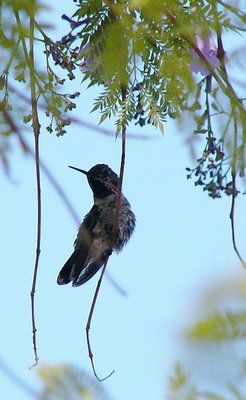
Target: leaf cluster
x=117 y=45
x=15 y=70
x=145 y=50
x=140 y=49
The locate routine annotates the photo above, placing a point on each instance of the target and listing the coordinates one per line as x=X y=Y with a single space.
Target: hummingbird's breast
x=126 y=223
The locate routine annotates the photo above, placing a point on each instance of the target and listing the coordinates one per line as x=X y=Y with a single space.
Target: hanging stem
x=36 y=132
x=232 y=218
x=234 y=194
x=221 y=56
x=114 y=231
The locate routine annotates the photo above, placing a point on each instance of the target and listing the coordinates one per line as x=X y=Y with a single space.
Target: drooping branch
x=88 y=324
x=114 y=230
x=36 y=132
x=236 y=104
x=234 y=193
x=232 y=218
x=221 y=56
x=29 y=59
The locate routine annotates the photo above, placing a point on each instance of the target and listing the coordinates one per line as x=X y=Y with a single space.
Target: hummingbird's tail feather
x=64 y=276
x=76 y=272
x=71 y=270
x=87 y=272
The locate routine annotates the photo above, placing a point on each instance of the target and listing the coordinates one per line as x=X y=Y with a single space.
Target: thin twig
x=36 y=131
x=221 y=56
x=234 y=194
x=114 y=230
x=88 y=325
x=232 y=214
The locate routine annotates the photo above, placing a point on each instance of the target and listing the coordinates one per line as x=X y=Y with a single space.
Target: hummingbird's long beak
x=80 y=170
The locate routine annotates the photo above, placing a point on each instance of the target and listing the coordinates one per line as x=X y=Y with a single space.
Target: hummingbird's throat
x=114 y=191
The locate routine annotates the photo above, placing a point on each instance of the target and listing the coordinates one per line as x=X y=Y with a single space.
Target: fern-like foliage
x=145 y=49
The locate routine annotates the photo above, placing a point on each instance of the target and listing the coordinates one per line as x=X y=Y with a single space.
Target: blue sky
x=180 y=248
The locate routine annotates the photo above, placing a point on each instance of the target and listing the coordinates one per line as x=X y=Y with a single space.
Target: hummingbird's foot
x=108 y=252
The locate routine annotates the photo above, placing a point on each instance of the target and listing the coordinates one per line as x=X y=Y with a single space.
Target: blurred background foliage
x=67 y=382
x=214 y=363
x=212 y=359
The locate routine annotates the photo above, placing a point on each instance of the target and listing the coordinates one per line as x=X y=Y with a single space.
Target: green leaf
x=103 y=117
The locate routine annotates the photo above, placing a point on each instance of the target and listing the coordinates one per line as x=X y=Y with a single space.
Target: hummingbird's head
x=102 y=180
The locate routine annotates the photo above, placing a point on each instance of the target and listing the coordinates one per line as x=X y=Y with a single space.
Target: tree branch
x=234 y=194
x=114 y=231
x=221 y=56
x=36 y=131
x=232 y=216
x=88 y=324
x=228 y=90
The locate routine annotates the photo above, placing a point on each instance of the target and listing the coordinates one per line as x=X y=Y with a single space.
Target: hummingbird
x=94 y=242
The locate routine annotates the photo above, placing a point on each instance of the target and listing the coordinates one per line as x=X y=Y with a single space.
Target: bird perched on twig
x=94 y=242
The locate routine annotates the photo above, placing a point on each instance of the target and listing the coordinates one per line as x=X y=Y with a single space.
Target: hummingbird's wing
x=99 y=250
x=89 y=252
x=76 y=262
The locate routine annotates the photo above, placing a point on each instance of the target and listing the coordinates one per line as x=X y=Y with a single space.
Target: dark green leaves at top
x=115 y=53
